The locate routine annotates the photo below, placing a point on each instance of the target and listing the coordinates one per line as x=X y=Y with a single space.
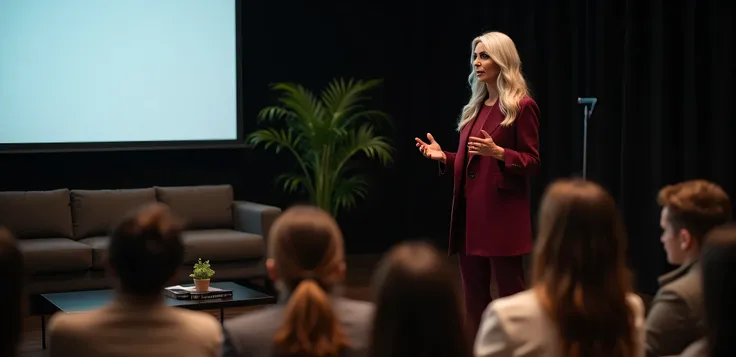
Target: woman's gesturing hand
x=431 y=150
x=484 y=146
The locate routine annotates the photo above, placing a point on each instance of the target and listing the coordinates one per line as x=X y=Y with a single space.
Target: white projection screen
x=111 y=74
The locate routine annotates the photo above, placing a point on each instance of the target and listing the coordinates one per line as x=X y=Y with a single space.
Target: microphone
x=588 y=100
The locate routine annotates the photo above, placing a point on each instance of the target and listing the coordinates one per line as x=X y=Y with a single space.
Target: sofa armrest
x=256 y=218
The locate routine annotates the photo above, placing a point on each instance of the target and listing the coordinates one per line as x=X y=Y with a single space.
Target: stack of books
x=189 y=293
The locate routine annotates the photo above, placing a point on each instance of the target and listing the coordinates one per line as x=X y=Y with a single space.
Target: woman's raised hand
x=431 y=150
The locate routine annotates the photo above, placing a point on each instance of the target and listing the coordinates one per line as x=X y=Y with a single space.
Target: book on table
x=190 y=293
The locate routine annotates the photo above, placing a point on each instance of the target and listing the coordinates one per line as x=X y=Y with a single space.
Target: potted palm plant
x=325 y=133
x=201 y=274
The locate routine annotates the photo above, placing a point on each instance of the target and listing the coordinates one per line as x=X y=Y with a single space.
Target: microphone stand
x=586 y=115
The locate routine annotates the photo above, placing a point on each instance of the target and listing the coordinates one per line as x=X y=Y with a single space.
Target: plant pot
x=201 y=284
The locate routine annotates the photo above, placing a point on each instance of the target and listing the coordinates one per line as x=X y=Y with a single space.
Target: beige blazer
x=518 y=326
x=698 y=348
x=124 y=329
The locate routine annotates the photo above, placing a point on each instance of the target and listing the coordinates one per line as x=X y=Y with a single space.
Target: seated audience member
x=306 y=262
x=144 y=253
x=718 y=271
x=581 y=302
x=12 y=297
x=689 y=210
x=418 y=306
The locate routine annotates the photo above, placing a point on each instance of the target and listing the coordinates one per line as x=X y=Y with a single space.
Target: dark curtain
x=663 y=73
x=674 y=77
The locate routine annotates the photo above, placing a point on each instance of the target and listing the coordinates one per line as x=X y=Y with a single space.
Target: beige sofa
x=63 y=233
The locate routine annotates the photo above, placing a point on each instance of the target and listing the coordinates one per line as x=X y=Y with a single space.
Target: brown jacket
x=676 y=316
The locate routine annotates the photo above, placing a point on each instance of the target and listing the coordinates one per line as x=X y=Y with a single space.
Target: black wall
x=663 y=74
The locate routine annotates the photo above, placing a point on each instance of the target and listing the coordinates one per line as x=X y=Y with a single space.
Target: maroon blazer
x=498 y=217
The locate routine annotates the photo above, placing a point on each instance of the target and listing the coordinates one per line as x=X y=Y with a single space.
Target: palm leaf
x=325 y=133
x=302 y=102
x=280 y=139
x=348 y=190
x=364 y=115
x=292 y=182
x=340 y=94
x=342 y=98
x=274 y=113
x=364 y=140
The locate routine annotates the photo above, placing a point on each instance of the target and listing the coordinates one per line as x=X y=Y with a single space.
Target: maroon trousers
x=476 y=273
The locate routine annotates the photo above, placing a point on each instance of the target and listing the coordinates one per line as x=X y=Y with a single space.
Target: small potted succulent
x=201 y=275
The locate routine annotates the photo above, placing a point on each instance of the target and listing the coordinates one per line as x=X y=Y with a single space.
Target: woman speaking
x=498 y=152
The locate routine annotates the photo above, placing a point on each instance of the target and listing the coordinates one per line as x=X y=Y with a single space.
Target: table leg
x=43 y=331
x=222 y=316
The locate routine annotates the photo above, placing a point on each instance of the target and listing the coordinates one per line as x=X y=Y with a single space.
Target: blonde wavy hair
x=512 y=87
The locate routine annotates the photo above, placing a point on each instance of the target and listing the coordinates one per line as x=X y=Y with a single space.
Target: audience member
x=306 y=262
x=12 y=299
x=144 y=253
x=581 y=302
x=718 y=271
x=418 y=306
x=689 y=210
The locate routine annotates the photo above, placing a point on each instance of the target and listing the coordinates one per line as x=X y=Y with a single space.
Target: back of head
x=696 y=206
x=579 y=270
x=306 y=249
x=719 y=279
x=418 y=310
x=146 y=249
x=12 y=298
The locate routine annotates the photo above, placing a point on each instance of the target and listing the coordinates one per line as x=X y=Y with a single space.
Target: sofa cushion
x=221 y=245
x=201 y=207
x=99 y=250
x=55 y=255
x=36 y=214
x=94 y=212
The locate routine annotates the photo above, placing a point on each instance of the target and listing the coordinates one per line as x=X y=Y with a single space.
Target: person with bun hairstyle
x=306 y=262
x=143 y=257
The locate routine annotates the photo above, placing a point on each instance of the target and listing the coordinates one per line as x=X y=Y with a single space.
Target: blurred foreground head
x=580 y=273
x=306 y=260
x=146 y=250
x=419 y=309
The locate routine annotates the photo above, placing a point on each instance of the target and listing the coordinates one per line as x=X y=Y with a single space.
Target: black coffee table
x=81 y=301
